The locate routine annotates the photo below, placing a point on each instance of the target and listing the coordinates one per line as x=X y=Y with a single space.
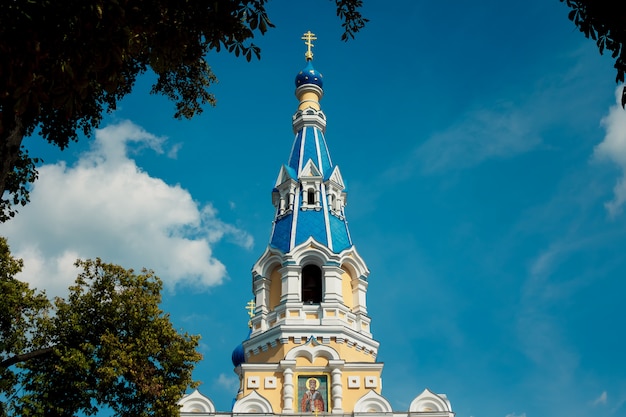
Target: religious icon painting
x=313 y=393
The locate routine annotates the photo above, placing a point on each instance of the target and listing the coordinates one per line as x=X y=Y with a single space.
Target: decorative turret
x=310 y=194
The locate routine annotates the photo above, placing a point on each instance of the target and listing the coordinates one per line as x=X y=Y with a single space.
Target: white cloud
x=500 y=131
x=613 y=148
x=516 y=415
x=549 y=260
x=484 y=134
x=601 y=400
x=229 y=383
x=106 y=206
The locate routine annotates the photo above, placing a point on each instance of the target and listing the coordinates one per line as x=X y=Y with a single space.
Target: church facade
x=310 y=349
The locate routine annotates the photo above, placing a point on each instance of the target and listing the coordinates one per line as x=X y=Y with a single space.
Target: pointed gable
x=310 y=170
x=285 y=174
x=336 y=178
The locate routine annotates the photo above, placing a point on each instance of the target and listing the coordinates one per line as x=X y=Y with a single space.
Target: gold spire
x=307 y=38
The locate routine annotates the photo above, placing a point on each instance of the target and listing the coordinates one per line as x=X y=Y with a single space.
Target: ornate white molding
x=372 y=402
x=428 y=401
x=196 y=403
x=252 y=403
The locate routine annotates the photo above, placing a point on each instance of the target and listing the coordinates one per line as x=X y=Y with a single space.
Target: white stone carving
x=254 y=382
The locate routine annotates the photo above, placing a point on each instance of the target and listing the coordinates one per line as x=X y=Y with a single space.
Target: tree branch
x=26 y=356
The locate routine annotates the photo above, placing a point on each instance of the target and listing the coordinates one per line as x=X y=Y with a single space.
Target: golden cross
x=307 y=38
x=250 y=307
x=315 y=412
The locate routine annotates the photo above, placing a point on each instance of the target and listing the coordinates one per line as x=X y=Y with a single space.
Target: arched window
x=311 y=284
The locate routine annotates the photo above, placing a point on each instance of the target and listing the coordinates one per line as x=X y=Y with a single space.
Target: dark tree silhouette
x=64 y=63
x=604 y=21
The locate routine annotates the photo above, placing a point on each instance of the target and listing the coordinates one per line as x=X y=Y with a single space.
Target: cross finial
x=250 y=307
x=307 y=38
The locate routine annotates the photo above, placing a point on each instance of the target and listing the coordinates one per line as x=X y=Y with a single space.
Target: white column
x=290 y=284
x=336 y=391
x=332 y=283
x=359 y=291
x=292 y=195
x=261 y=293
x=288 y=388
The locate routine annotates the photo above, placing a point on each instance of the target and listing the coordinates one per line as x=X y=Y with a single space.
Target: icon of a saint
x=312 y=400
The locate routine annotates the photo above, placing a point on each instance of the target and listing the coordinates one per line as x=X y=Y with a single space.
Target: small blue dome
x=238 y=357
x=309 y=75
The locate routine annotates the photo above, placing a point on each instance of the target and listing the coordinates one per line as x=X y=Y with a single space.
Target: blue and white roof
x=310 y=194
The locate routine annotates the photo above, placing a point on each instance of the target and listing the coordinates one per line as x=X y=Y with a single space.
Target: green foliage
x=108 y=344
x=17 y=184
x=21 y=311
x=64 y=63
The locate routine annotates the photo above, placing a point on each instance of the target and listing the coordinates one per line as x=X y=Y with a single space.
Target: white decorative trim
x=372 y=402
x=270 y=382
x=312 y=352
x=261 y=367
x=349 y=257
x=310 y=179
x=428 y=401
x=308 y=117
x=253 y=382
x=294 y=220
x=354 y=382
x=196 y=403
x=301 y=151
x=371 y=381
x=318 y=149
x=329 y=236
x=252 y=403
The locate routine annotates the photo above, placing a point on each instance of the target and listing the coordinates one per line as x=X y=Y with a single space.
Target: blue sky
x=485 y=158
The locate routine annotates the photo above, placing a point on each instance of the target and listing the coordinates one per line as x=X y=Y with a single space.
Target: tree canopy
x=106 y=345
x=64 y=63
x=604 y=21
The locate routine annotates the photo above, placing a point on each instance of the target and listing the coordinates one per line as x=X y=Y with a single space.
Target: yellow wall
x=346 y=289
x=275 y=288
x=352 y=395
x=274 y=395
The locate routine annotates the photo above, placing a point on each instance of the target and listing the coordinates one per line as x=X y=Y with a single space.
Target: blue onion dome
x=238 y=357
x=309 y=75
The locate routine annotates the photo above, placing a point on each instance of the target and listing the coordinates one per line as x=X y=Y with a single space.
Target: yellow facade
x=346 y=290
x=275 y=285
x=274 y=393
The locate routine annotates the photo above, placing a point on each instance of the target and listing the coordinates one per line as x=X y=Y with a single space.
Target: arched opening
x=310 y=196
x=311 y=284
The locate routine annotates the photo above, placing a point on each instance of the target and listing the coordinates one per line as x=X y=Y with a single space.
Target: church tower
x=310 y=322
x=310 y=347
